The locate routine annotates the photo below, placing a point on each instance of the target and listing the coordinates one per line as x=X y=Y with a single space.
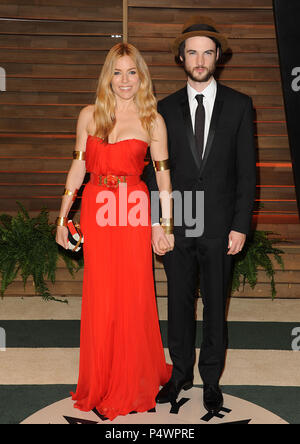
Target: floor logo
x=187 y=410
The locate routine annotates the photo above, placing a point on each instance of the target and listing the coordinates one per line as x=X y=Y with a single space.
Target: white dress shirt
x=209 y=94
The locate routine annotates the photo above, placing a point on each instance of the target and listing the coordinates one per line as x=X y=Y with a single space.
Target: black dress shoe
x=212 y=398
x=170 y=392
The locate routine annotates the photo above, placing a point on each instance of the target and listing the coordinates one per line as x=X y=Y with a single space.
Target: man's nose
x=200 y=60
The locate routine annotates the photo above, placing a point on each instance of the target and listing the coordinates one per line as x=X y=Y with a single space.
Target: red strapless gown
x=122 y=362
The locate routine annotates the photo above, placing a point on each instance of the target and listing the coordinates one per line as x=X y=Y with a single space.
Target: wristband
x=167 y=229
x=61 y=222
x=166 y=221
x=167 y=225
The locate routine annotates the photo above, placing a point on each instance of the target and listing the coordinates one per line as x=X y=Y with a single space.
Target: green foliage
x=256 y=253
x=28 y=247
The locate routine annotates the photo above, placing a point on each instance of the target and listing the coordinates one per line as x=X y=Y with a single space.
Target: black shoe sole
x=185 y=387
x=213 y=412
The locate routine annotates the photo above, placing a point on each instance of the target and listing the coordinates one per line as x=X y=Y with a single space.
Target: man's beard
x=198 y=78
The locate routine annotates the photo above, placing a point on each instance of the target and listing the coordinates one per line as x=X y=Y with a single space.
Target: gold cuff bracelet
x=61 y=221
x=161 y=165
x=167 y=225
x=79 y=155
x=166 y=221
x=168 y=229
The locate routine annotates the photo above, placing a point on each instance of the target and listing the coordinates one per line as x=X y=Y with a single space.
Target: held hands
x=161 y=242
x=236 y=242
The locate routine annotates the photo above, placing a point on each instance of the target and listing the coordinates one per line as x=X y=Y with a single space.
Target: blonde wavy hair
x=104 y=114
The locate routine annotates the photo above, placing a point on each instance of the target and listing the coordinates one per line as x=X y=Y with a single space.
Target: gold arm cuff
x=61 y=221
x=79 y=155
x=161 y=165
x=70 y=193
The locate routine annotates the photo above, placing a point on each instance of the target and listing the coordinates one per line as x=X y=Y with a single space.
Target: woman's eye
x=132 y=72
x=116 y=73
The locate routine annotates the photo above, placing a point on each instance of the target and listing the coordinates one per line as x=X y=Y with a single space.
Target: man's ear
x=218 y=54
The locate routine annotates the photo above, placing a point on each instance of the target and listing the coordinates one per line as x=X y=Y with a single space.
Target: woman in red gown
x=122 y=362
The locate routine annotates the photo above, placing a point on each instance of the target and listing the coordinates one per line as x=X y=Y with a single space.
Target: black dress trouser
x=193 y=258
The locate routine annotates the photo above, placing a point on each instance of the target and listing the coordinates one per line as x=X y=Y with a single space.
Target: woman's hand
x=62 y=237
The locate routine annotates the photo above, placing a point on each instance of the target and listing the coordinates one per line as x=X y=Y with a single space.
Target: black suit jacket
x=228 y=171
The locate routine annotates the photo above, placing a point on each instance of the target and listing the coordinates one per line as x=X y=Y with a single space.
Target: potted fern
x=28 y=248
x=255 y=254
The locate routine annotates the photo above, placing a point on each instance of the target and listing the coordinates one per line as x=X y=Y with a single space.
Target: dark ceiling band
x=200 y=28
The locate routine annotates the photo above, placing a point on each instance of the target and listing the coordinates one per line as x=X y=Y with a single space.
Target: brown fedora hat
x=203 y=27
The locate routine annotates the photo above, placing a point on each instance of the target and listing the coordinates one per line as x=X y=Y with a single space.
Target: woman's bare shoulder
x=160 y=125
x=87 y=112
x=85 y=121
x=159 y=119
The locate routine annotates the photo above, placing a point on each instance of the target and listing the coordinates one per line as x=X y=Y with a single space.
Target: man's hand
x=161 y=243
x=236 y=242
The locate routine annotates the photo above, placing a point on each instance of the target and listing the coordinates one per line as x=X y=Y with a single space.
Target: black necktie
x=200 y=124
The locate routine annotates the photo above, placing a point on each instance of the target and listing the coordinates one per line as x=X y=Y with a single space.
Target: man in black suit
x=211 y=149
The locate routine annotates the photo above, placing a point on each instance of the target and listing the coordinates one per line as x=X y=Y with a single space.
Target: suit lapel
x=213 y=126
x=184 y=103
